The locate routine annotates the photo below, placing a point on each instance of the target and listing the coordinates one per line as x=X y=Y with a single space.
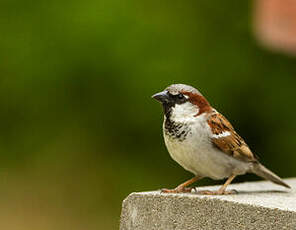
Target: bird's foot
x=207 y=192
x=177 y=190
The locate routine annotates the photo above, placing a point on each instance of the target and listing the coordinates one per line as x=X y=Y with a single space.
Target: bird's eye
x=180 y=96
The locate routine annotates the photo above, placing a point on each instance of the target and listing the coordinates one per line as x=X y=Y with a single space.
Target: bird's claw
x=177 y=190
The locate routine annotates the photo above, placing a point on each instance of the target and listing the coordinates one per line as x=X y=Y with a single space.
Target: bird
x=204 y=142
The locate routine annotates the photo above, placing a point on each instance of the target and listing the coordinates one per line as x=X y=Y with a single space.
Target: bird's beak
x=162 y=97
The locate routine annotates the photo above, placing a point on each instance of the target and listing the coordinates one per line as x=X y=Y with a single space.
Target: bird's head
x=182 y=101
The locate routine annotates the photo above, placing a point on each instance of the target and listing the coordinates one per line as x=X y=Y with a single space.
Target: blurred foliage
x=79 y=130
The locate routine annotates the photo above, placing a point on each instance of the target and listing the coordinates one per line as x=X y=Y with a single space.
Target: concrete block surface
x=258 y=205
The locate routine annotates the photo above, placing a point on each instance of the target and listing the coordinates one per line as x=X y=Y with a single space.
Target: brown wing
x=227 y=140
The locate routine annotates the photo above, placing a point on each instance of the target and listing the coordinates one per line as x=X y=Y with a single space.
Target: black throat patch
x=176 y=130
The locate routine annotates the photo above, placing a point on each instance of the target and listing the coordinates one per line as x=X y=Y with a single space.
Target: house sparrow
x=204 y=142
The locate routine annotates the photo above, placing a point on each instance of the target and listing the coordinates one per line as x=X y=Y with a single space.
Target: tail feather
x=261 y=171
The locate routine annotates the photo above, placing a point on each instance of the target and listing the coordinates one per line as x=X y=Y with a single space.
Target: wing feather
x=227 y=140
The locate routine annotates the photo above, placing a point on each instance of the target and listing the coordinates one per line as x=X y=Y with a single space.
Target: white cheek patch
x=187 y=97
x=183 y=112
x=221 y=135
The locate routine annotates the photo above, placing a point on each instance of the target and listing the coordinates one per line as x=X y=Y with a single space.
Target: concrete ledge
x=258 y=205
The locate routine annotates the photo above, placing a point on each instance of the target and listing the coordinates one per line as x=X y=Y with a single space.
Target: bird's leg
x=182 y=187
x=222 y=190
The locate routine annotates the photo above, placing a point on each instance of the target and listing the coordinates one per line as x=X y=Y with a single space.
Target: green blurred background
x=79 y=130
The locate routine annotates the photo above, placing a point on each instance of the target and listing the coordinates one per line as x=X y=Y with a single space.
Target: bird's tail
x=261 y=171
